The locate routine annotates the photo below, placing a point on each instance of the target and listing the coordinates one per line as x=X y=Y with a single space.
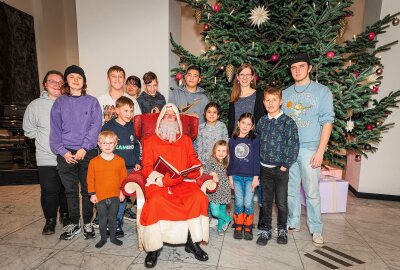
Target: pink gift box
x=333 y=193
x=332 y=171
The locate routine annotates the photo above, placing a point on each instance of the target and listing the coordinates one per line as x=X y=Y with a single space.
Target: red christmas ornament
x=256 y=78
x=375 y=89
x=206 y=27
x=356 y=74
x=330 y=54
x=217 y=7
x=274 y=57
x=371 y=36
x=370 y=127
x=179 y=76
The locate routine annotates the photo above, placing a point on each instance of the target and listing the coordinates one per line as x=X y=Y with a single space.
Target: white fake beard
x=168 y=130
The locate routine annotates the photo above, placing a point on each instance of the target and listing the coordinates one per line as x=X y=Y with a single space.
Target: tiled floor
x=368 y=235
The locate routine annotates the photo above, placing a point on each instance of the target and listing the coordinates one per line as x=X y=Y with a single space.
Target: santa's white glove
x=155 y=178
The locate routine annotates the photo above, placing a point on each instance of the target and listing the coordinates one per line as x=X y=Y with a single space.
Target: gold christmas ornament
x=379 y=71
x=221 y=67
x=197 y=15
x=213 y=48
x=343 y=26
x=349 y=113
x=229 y=72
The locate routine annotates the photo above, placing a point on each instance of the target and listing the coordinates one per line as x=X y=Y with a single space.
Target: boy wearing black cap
x=310 y=105
x=75 y=123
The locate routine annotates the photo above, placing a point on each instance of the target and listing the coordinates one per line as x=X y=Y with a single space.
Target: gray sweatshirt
x=188 y=102
x=36 y=126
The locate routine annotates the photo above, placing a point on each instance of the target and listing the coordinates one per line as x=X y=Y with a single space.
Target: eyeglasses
x=106 y=143
x=242 y=76
x=55 y=83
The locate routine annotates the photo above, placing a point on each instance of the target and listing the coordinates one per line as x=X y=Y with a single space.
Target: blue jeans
x=302 y=172
x=219 y=211
x=122 y=206
x=243 y=194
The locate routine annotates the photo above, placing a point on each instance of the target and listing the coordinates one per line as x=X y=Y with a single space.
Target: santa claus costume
x=174 y=208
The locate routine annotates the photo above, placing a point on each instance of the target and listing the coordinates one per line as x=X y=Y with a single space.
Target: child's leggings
x=219 y=211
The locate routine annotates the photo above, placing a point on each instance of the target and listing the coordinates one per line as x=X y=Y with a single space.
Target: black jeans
x=107 y=210
x=274 y=182
x=71 y=175
x=52 y=192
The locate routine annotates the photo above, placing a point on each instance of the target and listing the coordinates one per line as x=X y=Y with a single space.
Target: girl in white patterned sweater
x=216 y=166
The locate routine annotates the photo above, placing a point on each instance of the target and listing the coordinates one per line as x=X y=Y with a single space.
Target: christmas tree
x=267 y=33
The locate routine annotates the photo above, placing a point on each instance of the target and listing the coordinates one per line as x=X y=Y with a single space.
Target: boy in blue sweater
x=128 y=146
x=279 y=147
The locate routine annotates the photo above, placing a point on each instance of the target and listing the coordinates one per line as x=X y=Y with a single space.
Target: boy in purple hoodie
x=75 y=124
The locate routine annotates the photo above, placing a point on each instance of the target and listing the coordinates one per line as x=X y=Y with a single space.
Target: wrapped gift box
x=332 y=171
x=333 y=192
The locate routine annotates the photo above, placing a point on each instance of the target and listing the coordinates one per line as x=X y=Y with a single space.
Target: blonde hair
x=225 y=161
x=236 y=90
x=108 y=133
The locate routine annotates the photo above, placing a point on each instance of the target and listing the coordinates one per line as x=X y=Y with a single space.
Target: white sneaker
x=317 y=238
x=213 y=222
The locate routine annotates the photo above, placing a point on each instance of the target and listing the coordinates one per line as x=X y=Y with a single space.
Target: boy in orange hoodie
x=104 y=177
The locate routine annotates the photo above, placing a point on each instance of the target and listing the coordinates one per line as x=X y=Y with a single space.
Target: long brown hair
x=236 y=90
x=225 y=161
x=67 y=90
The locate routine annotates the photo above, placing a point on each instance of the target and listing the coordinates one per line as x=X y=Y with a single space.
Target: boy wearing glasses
x=128 y=147
x=105 y=175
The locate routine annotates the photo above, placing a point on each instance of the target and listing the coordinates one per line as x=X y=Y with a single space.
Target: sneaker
x=119 y=232
x=226 y=226
x=88 y=231
x=129 y=214
x=213 y=222
x=282 y=237
x=264 y=237
x=70 y=231
x=290 y=229
x=317 y=238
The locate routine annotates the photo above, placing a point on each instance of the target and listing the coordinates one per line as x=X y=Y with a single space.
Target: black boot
x=64 y=219
x=49 y=227
x=260 y=216
x=194 y=248
x=151 y=258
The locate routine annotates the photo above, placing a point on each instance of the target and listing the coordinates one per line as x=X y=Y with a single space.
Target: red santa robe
x=169 y=212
